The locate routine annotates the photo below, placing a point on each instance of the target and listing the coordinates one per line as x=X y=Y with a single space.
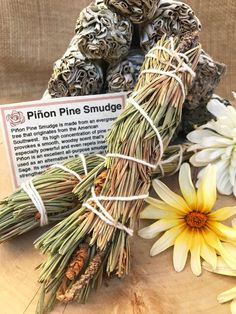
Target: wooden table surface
x=152 y=286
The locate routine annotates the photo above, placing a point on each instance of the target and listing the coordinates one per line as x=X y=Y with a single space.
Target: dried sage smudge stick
x=17 y=212
x=139 y=11
x=171 y=18
x=103 y=34
x=123 y=76
x=104 y=235
x=74 y=75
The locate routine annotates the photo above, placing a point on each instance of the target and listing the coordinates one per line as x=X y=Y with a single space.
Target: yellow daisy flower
x=188 y=222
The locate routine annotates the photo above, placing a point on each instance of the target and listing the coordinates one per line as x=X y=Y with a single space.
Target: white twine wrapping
x=82 y=158
x=104 y=215
x=101 y=156
x=64 y=168
x=139 y=161
x=177 y=55
x=36 y=199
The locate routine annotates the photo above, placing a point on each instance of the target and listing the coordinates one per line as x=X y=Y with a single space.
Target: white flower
x=216 y=144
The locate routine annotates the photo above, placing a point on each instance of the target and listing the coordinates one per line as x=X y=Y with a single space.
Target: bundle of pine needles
x=95 y=240
x=17 y=212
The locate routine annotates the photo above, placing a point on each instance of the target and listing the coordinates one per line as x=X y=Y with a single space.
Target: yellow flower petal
x=213 y=241
x=171 y=198
x=227 y=295
x=234 y=222
x=225 y=232
x=186 y=186
x=221 y=268
x=233 y=307
x=159 y=204
x=223 y=213
x=154 y=229
x=196 y=254
x=210 y=238
x=208 y=254
x=206 y=194
x=208 y=267
x=166 y=240
x=230 y=248
x=151 y=212
x=181 y=247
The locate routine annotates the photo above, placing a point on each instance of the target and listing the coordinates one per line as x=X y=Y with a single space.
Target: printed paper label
x=41 y=133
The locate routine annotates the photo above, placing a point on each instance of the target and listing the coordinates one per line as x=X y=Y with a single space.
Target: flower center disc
x=196 y=220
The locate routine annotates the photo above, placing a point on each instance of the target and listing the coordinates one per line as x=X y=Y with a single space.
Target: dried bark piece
x=139 y=11
x=123 y=76
x=74 y=75
x=171 y=18
x=103 y=34
x=208 y=76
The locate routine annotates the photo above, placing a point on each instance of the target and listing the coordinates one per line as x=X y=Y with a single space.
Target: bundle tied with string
x=103 y=34
x=123 y=76
x=171 y=18
x=136 y=144
x=74 y=75
x=40 y=201
x=139 y=11
x=45 y=198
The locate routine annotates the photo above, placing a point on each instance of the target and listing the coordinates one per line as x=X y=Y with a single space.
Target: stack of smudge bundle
x=108 y=48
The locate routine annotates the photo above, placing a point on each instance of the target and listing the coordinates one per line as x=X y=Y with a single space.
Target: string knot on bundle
x=36 y=198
